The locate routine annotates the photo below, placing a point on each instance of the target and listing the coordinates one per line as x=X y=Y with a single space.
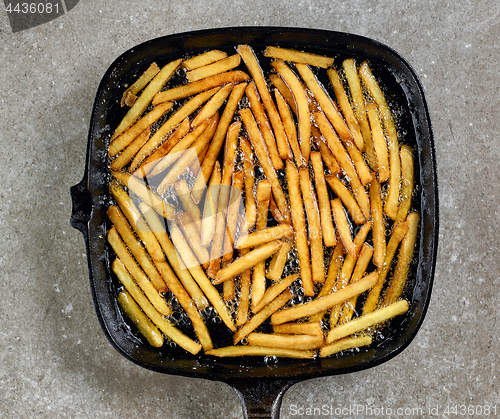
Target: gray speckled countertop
x=55 y=362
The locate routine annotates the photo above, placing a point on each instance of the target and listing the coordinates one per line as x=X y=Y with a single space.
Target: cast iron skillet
x=259 y=384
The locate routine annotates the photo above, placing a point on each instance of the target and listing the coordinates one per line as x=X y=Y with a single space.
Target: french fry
x=279 y=84
x=184 y=194
x=213 y=105
x=262 y=315
x=345 y=107
x=299 y=226
x=325 y=102
x=176 y=118
x=323 y=200
x=197 y=87
x=304 y=328
x=217 y=141
x=158 y=228
x=130 y=95
x=368 y=320
x=199 y=276
x=379 y=142
x=353 y=80
x=295 y=342
x=163 y=324
x=276 y=213
x=126 y=156
x=244 y=304
x=300 y=97
x=273 y=291
x=205 y=58
x=378 y=231
x=250 y=205
x=326 y=154
x=193 y=237
x=247 y=261
x=364 y=172
x=209 y=218
x=264 y=126
x=331 y=277
x=125 y=139
x=143 y=323
x=289 y=126
x=255 y=70
x=233 y=213
x=151 y=292
x=344 y=344
x=392 y=200
x=247 y=350
x=264 y=236
x=286 y=54
x=146 y=97
x=214 y=68
x=261 y=153
x=407 y=174
x=323 y=303
x=373 y=297
x=178 y=134
x=398 y=280
x=314 y=226
x=278 y=262
x=343 y=227
x=347 y=199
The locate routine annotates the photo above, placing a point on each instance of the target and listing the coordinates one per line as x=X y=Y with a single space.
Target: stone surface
x=55 y=362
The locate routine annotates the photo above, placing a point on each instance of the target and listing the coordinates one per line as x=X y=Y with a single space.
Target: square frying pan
x=259 y=382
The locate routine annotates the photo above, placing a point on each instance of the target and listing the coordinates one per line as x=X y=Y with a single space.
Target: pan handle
x=261 y=398
x=81 y=205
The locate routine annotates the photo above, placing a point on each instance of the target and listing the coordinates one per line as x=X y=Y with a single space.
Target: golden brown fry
x=398 y=280
x=199 y=276
x=302 y=103
x=247 y=350
x=373 y=297
x=184 y=194
x=289 y=126
x=250 y=205
x=264 y=126
x=213 y=105
x=214 y=68
x=233 y=213
x=261 y=153
x=278 y=262
x=368 y=320
x=345 y=344
x=304 y=328
x=295 y=342
x=244 y=304
x=379 y=142
x=364 y=172
x=162 y=323
x=287 y=54
x=345 y=107
x=130 y=95
x=143 y=323
x=146 y=97
x=343 y=226
x=217 y=141
x=326 y=154
x=262 y=315
x=299 y=226
x=407 y=174
x=276 y=213
x=253 y=66
x=264 y=235
x=205 y=58
x=323 y=303
x=196 y=87
x=151 y=292
x=323 y=200
x=347 y=199
x=378 y=231
x=126 y=138
x=126 y=156
x=209 y=219
x=193 y=237
x=247 y=261
x=326 y=103
x=314 y=226
x=278 y=82
x=392 y=200
x=273 y=291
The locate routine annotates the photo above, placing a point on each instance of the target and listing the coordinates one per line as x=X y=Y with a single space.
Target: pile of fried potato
x=241 y=191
